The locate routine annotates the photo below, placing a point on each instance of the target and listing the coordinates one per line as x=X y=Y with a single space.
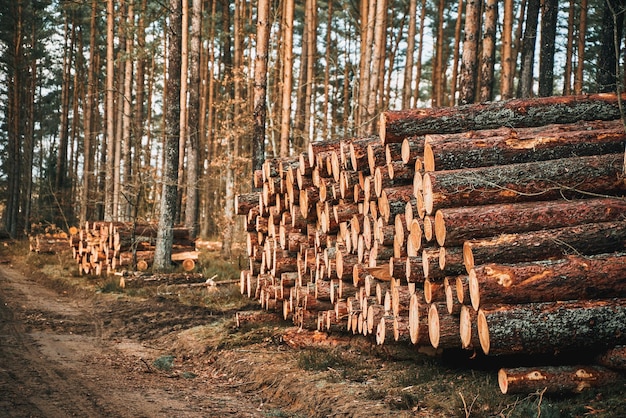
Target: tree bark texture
x=453 y=226
x=552 y=327
x=543 y=180
x=516 y=113
x=586 y=239
x=574 y=277
x=510 y=146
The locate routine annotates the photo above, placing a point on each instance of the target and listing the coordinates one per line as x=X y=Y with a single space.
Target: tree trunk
x=610 y=39
x=285 y=124
x=488 y=51
x=525 y=85
x=397 y=125
x=260 y=84
x=569 y=50
x=169 y=195
x=508 y=63
x=580 y=49
x=192 y=205
x=574 y=277
x=469 y=61
x=407 y=90
x=375 y=94
x=586 y=239
x=542 y=180
x=553 y=327
x=549 y=12
x=455 y=59
x=109 y=116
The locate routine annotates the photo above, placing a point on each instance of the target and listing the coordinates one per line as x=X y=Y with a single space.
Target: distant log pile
x=104 y=247
x=499 y=228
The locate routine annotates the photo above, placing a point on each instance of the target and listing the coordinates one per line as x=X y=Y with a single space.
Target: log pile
x=104 y=247
x=452 y=231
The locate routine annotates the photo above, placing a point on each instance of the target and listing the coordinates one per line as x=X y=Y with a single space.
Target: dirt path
x=63 y=355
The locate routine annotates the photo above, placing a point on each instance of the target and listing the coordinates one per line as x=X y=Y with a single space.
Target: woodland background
x=132 y=109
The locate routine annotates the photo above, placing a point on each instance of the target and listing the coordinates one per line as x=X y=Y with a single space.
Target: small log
x=552 y=327
x=255 y=318
x=542 y=180
x=574 y=277
x=400 y=124
x=555 y=379
x=586 y=239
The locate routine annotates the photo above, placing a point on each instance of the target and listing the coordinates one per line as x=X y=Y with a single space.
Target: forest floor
x=77 y=346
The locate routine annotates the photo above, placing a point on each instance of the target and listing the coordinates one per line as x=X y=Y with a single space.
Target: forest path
x=61 y=354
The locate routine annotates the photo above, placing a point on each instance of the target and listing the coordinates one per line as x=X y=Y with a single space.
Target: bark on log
x=397 y=125
x=613 y=358
x=453 y=226
x=554 y=380
x=586 y=239
x=552 y=327
x=542 y=180
x=575 y=277
x=511 y=146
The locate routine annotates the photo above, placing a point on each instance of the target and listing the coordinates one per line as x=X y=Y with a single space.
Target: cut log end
x=427 y=193
x=429 y=158
x=414 y=318
x=188 y=264
x=468 y=256
x=503 y=381
x=440 y=228
x=474 y=289
x=433 y=325
x=483 y=332
x=465 y=327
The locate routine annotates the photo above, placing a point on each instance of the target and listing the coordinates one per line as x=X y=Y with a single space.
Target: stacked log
x=104 y=247
x=457 y=236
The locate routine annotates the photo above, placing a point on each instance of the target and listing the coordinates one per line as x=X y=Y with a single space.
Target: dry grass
x=319 y=381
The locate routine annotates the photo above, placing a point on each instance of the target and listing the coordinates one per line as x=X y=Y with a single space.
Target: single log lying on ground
x=586 y=239
x=397 y=125
x=541 y=180
x=510 y=146
x=558 y=379
x=552 y=327
x=453 y=226
x=161 y=278
x=575 y=277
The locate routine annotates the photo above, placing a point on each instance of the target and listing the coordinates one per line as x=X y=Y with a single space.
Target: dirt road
x=63 y=355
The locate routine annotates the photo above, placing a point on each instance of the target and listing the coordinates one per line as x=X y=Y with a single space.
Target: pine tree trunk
x=549 y=12
x=169 y=195
x=469 y=61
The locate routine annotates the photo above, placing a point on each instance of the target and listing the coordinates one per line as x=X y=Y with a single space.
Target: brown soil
x=66 y=350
